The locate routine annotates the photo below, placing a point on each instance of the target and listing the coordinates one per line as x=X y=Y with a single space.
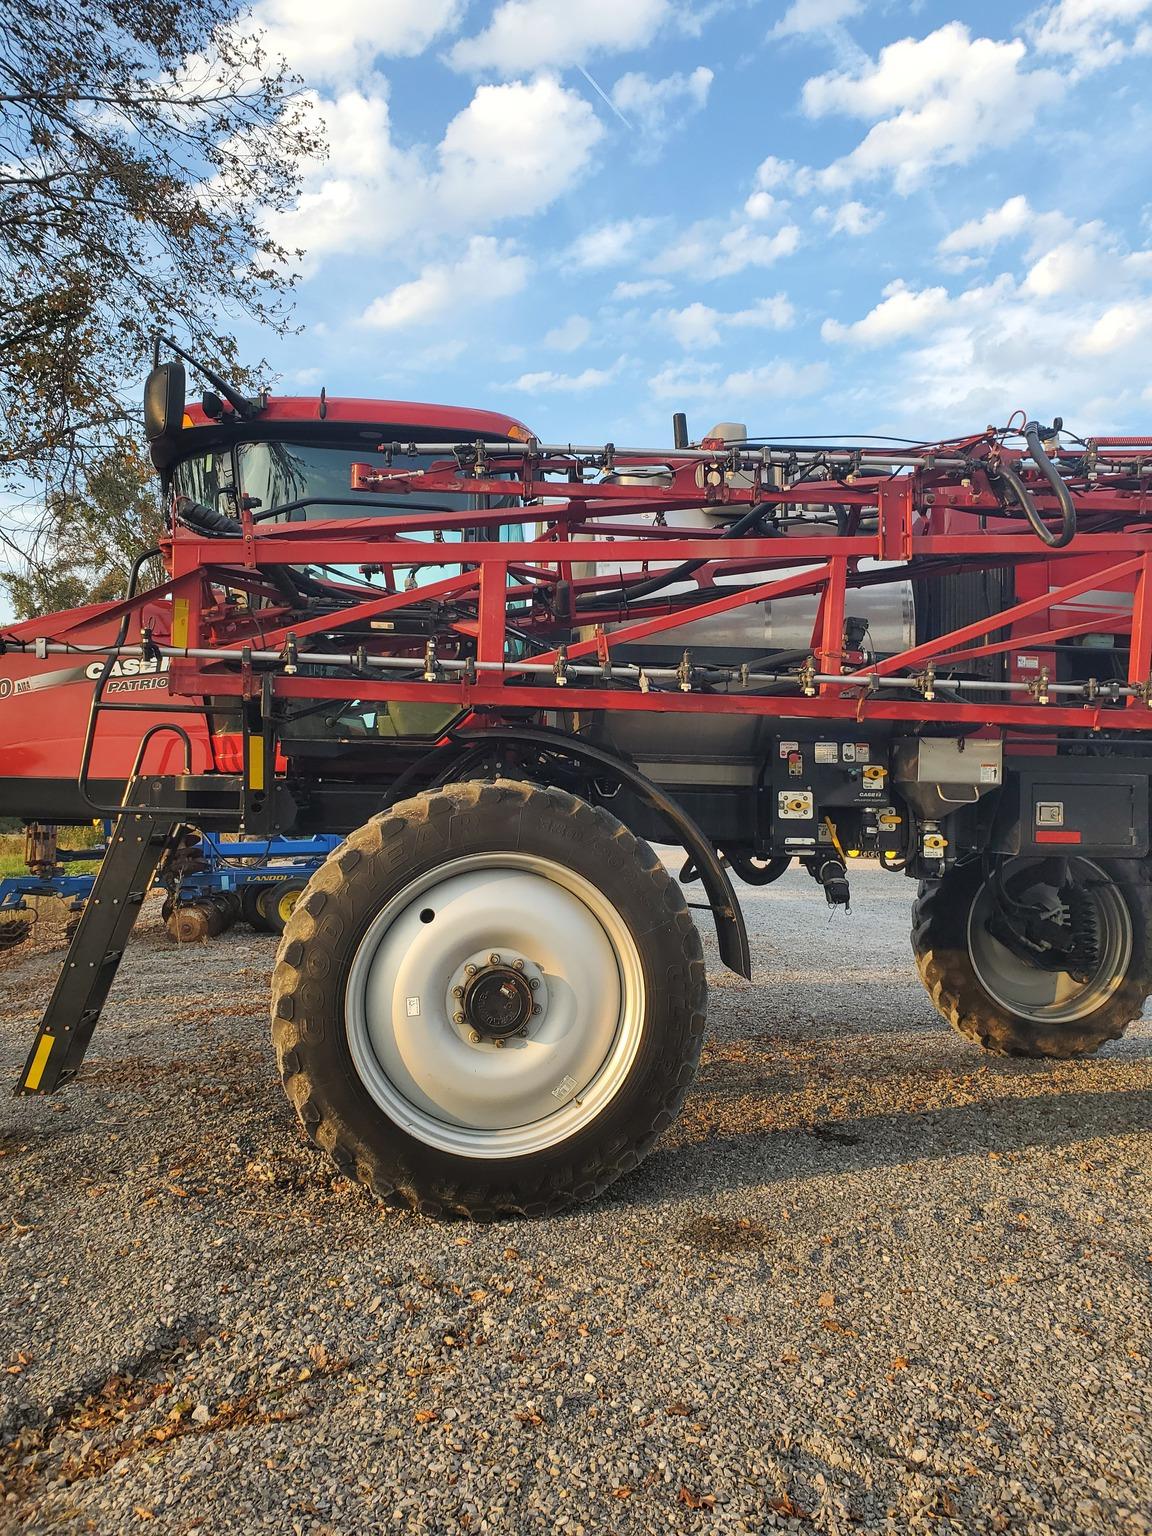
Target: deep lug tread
x=939 y=916
x=430 y=820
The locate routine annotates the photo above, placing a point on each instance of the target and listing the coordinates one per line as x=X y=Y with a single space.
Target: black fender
x=731 y=933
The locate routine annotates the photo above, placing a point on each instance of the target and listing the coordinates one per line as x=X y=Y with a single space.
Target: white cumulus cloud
x=1065 y=333
x=569 y=336
x=815 y=16
x=937 y=100
x=1095 y=32
x=515 y=147
x=1012 y=218
x=851 y=218
x=709 y=249
x=351 y=34
x=657 y=107
x=565 y=383
x=729 y=392
x=903 y=311
x=488 y=269
x=524 y=35
x=609 y=245
x=513 y=150
x=699 y=326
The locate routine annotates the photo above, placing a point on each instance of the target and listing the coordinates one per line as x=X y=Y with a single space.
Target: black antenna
x=241 y=404
x=679 y=430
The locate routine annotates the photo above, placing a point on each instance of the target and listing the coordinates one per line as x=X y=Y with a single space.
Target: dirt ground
x=870 y=1281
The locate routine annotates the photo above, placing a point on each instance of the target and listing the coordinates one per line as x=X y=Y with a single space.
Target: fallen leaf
x=692 y=1500
x=783 y=1505
x=426 y=1415
x=622 y=1493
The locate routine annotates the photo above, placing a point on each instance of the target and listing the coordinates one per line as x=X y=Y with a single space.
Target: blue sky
x=824 y=216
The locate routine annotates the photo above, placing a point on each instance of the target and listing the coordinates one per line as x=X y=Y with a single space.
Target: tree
x=93 y=530
x=142 y=145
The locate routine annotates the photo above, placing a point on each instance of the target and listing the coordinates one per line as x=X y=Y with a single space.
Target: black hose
x=202 y=519
x=1023 y=498
x=753 y=872
x=686 y=568
x=1046 y=467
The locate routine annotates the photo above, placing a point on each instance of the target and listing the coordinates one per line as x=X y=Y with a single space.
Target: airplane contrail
x=606 y=99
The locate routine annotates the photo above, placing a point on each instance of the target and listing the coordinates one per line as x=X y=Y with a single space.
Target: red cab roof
x=454 y=420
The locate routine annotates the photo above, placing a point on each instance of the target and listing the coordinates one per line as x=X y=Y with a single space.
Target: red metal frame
x=942 y=508
x=927 y=512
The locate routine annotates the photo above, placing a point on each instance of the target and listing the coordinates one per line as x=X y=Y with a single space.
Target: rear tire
x=999 y=1002
x=376 y=1013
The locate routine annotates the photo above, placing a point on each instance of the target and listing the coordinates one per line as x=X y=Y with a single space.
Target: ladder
x=139 y=839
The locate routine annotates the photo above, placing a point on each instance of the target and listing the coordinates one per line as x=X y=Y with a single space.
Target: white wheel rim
x=424 y=1065
x=1054 y=997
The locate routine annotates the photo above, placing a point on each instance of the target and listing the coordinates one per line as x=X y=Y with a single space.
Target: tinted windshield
x=282 y=473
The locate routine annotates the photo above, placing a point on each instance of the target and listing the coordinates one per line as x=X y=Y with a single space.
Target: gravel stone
x=871 y=1281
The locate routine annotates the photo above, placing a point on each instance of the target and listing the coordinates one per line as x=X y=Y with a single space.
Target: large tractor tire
x=490 y=999
x=996 y=997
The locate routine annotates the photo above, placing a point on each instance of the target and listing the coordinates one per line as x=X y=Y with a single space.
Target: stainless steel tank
x=744 y=634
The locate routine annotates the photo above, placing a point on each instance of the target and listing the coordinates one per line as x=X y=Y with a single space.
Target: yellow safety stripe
x=255 y=762
x=39 y=1062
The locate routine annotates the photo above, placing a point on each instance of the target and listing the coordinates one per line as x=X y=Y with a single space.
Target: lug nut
x=536 y=1008
x=457 y=1018
x=493 y=958
x=523 y=1033
x=469 y=969
x=474 y=1037
x=499 y=1044
x=457 y=991
x=534 y=984
x=517 y=965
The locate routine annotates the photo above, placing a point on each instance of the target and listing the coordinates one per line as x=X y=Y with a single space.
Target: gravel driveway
x=871 y=1281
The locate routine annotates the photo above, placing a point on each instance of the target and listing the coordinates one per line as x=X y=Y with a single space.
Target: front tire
x=991 y=996
x=489 y=1000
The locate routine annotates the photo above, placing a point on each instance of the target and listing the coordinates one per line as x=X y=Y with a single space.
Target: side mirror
x=164 y=395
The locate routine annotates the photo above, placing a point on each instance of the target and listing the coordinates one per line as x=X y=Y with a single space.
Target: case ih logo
x=129 y=666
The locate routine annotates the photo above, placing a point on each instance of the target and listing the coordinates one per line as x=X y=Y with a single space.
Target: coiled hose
x=1054 y=538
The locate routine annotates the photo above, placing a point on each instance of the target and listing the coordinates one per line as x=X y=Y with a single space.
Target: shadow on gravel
x=868 y=1142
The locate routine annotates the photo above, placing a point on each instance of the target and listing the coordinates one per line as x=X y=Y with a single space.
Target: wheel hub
x=498 y=1001
x=497 y=997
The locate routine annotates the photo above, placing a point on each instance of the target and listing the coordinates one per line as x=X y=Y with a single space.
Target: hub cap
x=495 y=1005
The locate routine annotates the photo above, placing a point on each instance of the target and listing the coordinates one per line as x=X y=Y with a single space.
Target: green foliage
x=142 y=149
x=93 y=531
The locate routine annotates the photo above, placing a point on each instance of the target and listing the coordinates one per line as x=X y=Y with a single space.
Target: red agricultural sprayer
x=504 y=667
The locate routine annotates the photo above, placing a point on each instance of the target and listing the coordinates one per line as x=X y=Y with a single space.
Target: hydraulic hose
x=1032 y=436
x=1023 y=498
x=679 y=572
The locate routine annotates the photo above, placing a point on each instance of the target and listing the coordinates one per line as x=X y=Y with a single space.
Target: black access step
x=134 y=851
